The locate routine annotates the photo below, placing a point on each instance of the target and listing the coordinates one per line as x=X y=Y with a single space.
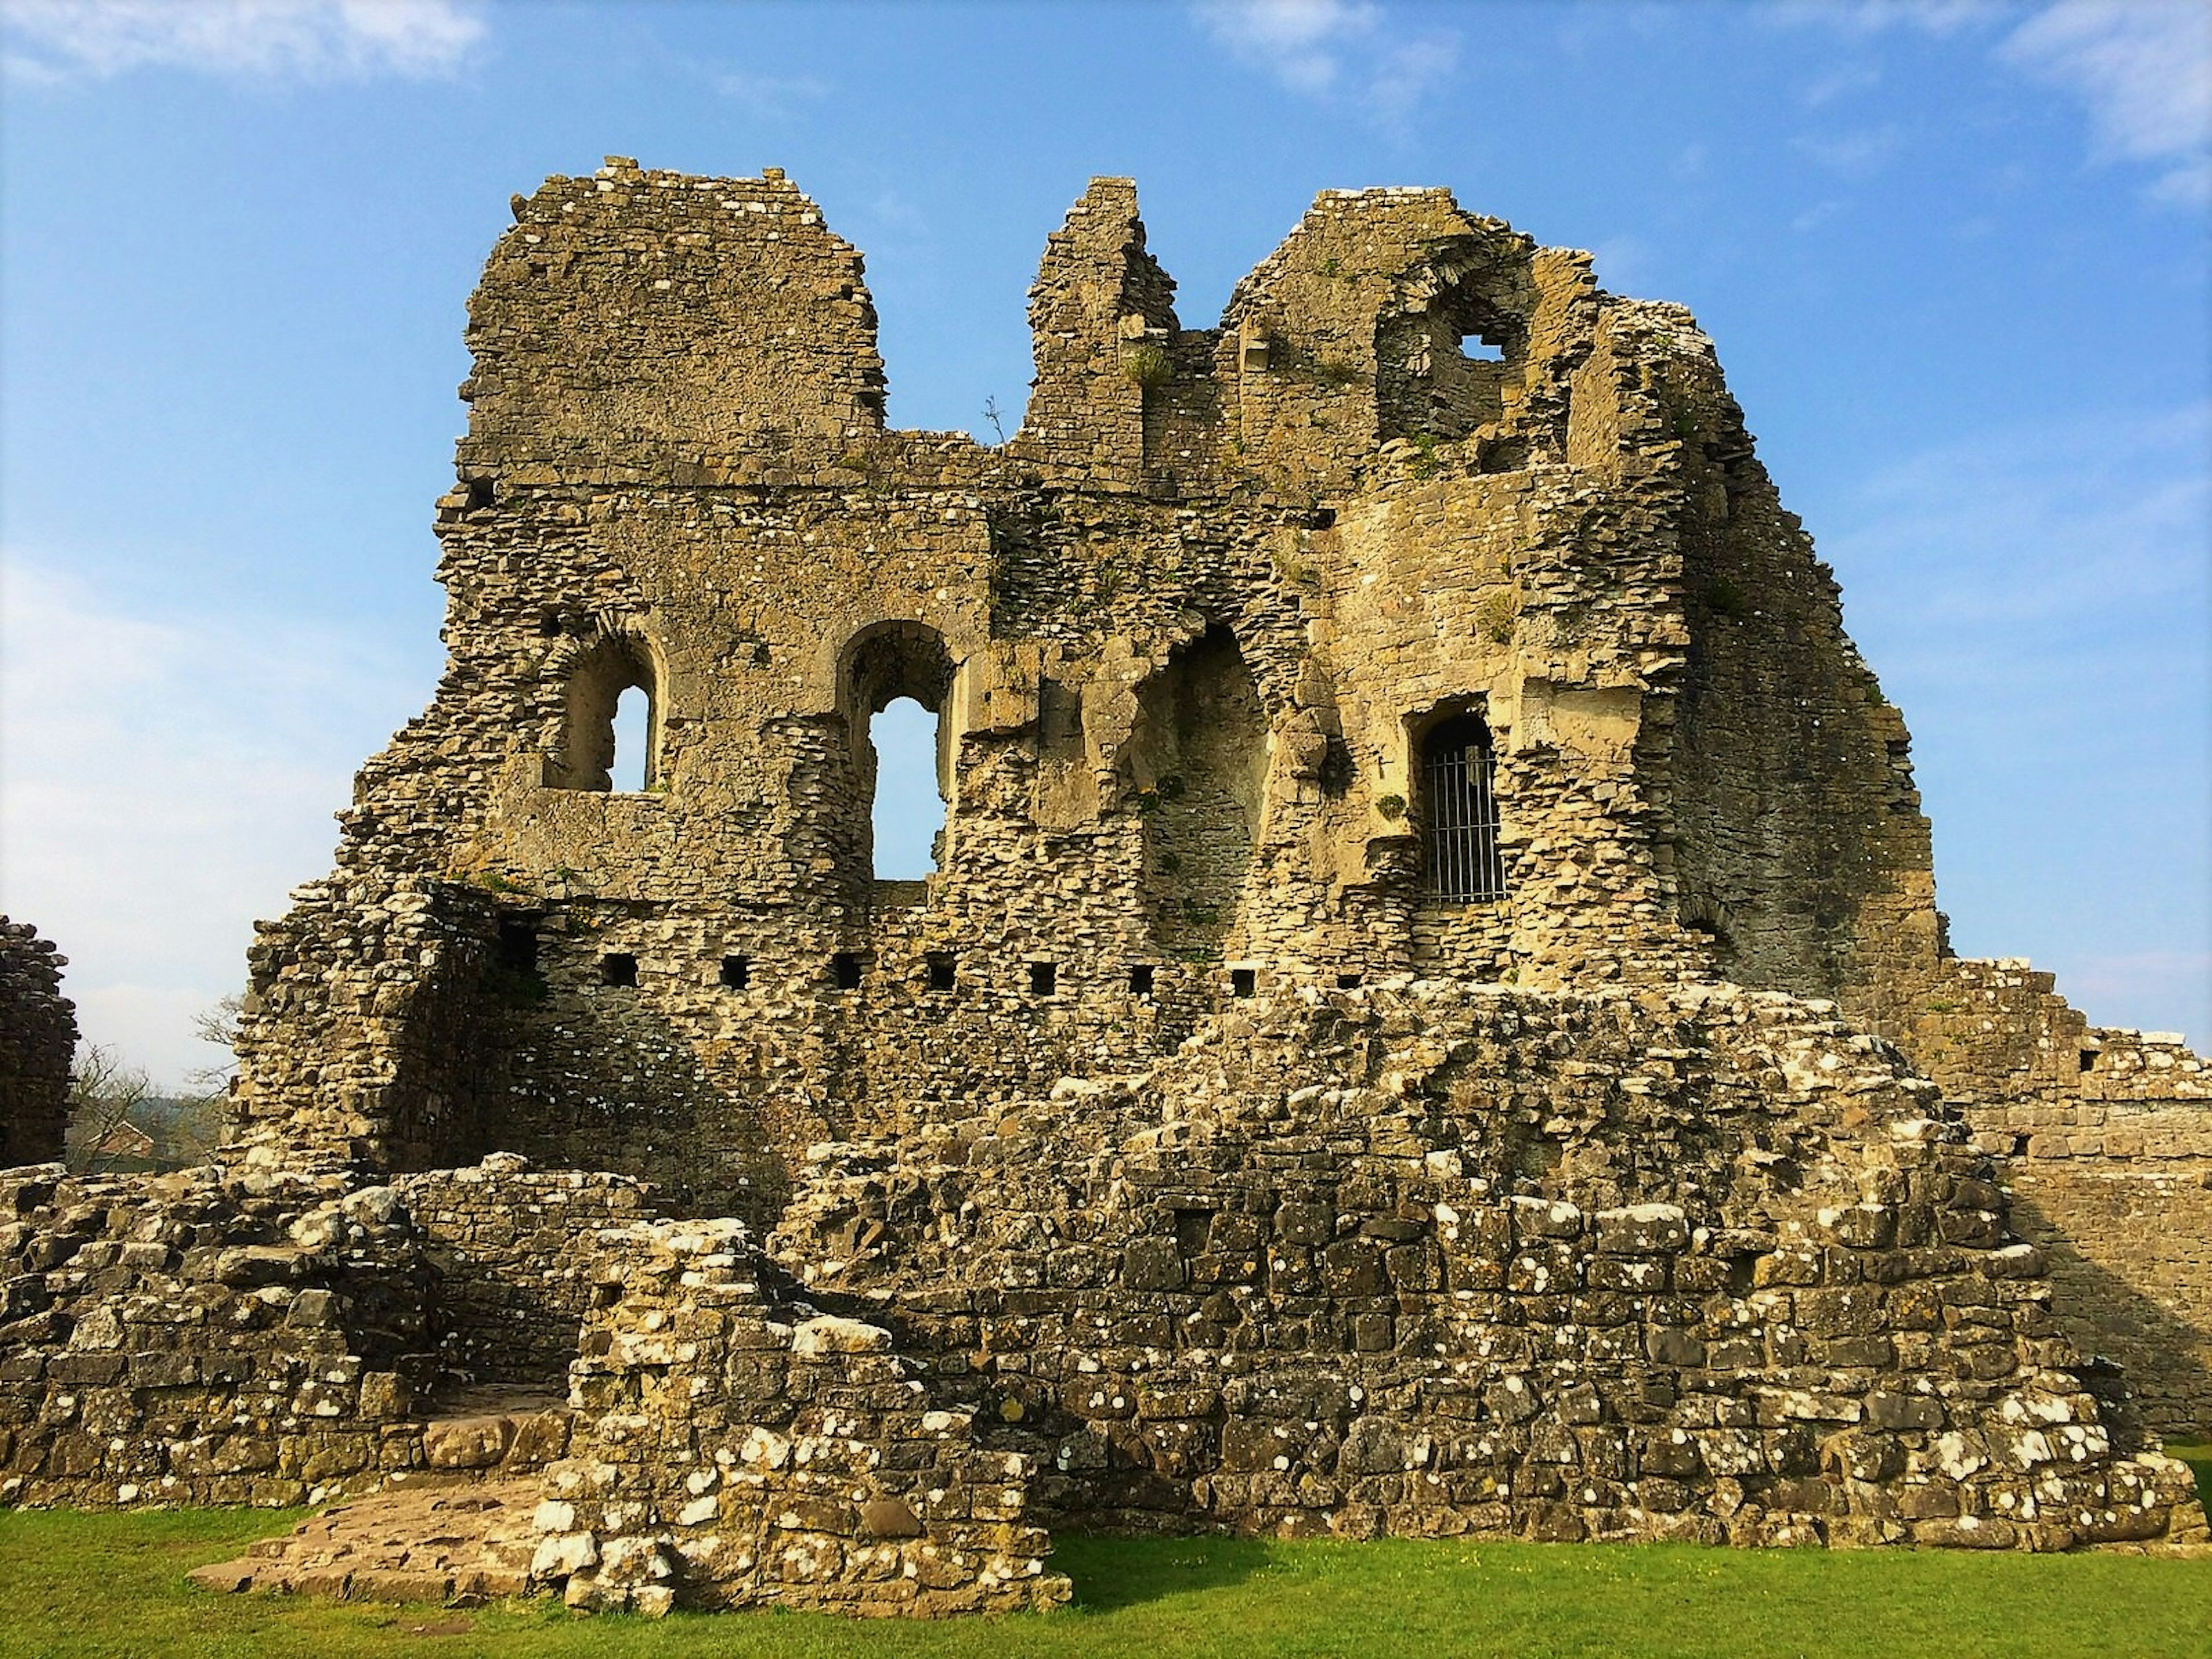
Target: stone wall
x=1417 y=1259
x=38 y=1044
x=735 y=1450
x=1184 y=633
x=2105 y=1140
x=1195 y=1159
x=516 y=1257
x=202 y=1338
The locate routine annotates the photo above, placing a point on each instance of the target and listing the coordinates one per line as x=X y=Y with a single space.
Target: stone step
x=427 y=1539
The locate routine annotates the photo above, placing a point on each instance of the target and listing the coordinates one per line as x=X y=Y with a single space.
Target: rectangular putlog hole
x=618 y=967
x=1044 y=979
x=845 y=971
x=942 y=970
x=737 y=972
x=517 y=945
x=1141 y=979
x=1243 y=981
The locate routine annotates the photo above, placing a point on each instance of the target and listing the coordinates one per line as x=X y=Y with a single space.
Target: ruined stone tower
x=1402 y=1032
x=1429 y=615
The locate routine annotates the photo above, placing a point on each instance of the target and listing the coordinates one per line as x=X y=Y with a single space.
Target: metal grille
x=1459 y=812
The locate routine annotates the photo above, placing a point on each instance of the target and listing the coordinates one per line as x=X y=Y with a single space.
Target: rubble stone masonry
x=1429 y=1015
x=38 y=1043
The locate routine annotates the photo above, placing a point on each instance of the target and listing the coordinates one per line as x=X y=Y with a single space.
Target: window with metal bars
x=1461 y=861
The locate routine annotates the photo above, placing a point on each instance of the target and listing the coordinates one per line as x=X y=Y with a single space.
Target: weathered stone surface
x=1398 y=1040
x=38 y=1041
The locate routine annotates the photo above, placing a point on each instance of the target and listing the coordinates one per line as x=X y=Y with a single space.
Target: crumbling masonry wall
x=1425 y=1259
x=1181 y=1153
x=38 y=1044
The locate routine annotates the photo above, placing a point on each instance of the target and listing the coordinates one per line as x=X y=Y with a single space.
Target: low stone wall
x=736 y=1451
x=202 y=1338
x=515 y=1256
x=2103 y=1138
x=38 y=1043
x=1425 y=1259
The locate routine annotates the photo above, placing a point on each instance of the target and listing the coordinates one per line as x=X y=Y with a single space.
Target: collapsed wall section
x=2104 y=1138
x=1418 y=1260
x=736 y=1450
x=203 y=1338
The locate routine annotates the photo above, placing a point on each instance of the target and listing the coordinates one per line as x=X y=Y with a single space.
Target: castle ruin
x=1430 y=1015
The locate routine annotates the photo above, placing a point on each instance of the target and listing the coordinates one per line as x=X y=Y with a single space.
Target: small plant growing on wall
x=1338 y=373
x=1148 y=365
x=1493 y=617
x=1392 y=807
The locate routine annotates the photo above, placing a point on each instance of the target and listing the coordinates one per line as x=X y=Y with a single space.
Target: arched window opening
x=1459 y=855
x=627 y=767
x=613 y=735
x=909 y=813
x=897 y=681
x=1475 y=347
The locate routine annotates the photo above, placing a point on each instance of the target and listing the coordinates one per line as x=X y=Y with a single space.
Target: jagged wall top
x=644 y=321
x=652 y=324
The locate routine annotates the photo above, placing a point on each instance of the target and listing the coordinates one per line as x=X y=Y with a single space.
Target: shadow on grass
x=2198 y=1458
x=1111 y=1573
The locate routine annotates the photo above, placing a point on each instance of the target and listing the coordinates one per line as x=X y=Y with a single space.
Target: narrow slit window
x=1461 y=862
x=737 y=972
x=619 y=968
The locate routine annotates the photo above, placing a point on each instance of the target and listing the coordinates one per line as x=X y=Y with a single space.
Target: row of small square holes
x=619 y=969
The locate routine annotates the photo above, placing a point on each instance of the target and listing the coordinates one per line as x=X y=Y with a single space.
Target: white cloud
x=1335 y=50
x=162 y=783
x=772 y=97
x=1301 y=42
x=2143 y=70
x=1937 y=17
x=53 y=40
x=2034 y=598
x=1856 y=155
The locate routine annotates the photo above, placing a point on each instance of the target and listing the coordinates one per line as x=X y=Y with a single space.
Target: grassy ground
x=113 y=1586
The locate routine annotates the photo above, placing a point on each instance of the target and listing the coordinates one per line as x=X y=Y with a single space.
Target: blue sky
x=1955 y=257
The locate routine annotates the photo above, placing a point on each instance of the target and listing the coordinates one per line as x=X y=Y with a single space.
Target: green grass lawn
x=113 y=1586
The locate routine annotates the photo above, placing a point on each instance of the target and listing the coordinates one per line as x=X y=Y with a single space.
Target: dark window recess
x=1243 y=980
x=1321 y=518
x=480 y=493
x=737 y=972
x=548 y=625
x=517 y=950
x=1461 y=862
x=1141 y=979
x=618 y=967
x=845 y=971
x=2089 y=1059
x=940 y=970
x=1348 y=982
x=1044 y=979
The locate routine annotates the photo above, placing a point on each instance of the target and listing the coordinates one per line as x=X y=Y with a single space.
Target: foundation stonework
x=1430 y=1015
